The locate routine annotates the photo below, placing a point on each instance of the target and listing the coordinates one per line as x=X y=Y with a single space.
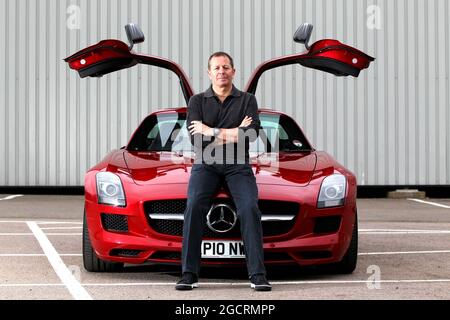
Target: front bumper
x=301 y=245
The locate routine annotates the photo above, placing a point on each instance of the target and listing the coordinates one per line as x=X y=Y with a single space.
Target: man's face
x=221 y=73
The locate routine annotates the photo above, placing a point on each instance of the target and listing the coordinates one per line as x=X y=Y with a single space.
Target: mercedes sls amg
x=135 y=197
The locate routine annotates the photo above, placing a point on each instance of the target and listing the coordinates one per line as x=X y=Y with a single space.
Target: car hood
x=156 y=168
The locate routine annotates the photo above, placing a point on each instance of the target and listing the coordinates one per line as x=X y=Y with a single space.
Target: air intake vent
x=327 y=224
x=125 y=252
x=114 y=222
x=166 y=255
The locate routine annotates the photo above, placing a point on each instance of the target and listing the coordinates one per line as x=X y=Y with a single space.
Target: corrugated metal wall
x=390 y=126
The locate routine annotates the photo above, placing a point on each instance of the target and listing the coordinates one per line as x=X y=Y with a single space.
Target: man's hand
x=246 y=122
x=199 y=127
x=229 y=135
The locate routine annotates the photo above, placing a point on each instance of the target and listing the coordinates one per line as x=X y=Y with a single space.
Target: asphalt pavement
x=404 y=253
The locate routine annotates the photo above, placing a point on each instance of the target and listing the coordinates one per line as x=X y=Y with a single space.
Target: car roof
x=184 y=110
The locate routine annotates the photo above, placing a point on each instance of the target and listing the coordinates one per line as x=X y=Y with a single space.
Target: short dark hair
x=220 y=54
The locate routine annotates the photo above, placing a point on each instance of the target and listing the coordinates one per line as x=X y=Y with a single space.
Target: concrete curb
x=406 y=193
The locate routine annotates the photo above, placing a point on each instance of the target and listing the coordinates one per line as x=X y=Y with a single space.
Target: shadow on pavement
x=274 y=273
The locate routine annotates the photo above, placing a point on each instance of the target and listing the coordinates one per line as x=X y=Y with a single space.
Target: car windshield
x=167 y=132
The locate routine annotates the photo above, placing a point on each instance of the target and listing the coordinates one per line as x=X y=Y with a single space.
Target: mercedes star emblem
x=221 y=218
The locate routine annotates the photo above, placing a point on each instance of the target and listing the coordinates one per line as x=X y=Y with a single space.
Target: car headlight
x=332 y=191
x=109 y=189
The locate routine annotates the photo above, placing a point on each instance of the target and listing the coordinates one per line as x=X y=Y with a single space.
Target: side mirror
x=303 y=34
x=134 y=34
x=297 y=143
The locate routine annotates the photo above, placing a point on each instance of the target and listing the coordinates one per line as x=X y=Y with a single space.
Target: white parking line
x=75 y=288
x=360 y=254
x=403 y=252
x=64 y=234
x=397 y=230
x=60 y=228
x=12 y=197
x=13 y=285
x=402 y=231
x=430 y=203
x=228 y=284
x=362 y=281
x=59 y=222
x=48 y=234
x=360 y=232
x=393 y=232
x=11 y=255
x=405 y=232
x=41 y=222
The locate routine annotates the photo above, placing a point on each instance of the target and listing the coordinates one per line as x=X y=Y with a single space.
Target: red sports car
x=135 y=197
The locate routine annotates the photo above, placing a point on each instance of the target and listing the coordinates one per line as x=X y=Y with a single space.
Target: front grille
x=177 y=207
x=165 y=206
x=114 y=222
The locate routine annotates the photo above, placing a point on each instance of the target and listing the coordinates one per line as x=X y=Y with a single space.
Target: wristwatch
x=216 y=131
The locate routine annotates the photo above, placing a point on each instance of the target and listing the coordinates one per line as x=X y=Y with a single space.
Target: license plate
x=223 y=249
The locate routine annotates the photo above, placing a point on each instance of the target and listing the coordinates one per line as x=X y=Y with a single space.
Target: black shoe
x=260 y=283
x=188 y=281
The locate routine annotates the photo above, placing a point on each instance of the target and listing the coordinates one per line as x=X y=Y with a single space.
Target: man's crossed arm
x=224 y=136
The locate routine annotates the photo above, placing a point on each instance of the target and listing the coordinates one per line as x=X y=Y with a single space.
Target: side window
x=182 y=140
x=279 y=133
x=158 y=133
x=152 y=134
x=282 y=133
x=162 y=135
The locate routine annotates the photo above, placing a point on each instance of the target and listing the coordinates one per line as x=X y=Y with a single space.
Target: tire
x=348 y=263
x=91 y=261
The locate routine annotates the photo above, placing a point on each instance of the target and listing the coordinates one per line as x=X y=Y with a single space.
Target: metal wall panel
x=391 y=126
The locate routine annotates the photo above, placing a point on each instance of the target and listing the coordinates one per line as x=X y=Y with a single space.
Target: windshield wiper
x=296 y=150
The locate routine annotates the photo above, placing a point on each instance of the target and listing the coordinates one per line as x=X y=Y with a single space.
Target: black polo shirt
x=208 y=108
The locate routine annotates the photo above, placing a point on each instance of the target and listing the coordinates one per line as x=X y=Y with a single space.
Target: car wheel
x=91 y=261
x=348 y=263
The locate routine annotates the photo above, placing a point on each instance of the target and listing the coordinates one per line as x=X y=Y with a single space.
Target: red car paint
x=148 y=176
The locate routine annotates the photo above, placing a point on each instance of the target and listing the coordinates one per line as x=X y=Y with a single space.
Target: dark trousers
x=203 y=184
